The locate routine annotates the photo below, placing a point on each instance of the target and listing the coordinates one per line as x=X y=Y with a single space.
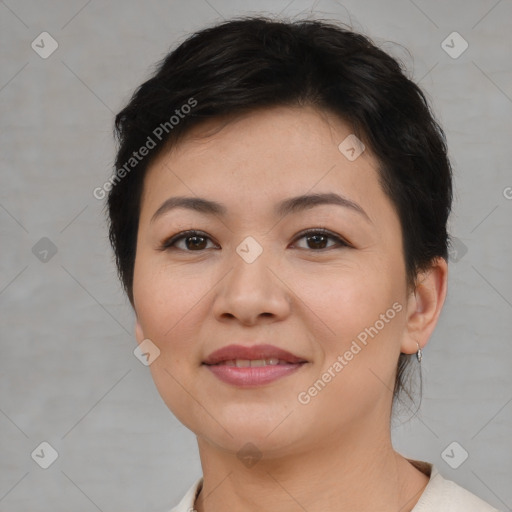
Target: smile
x=249 y=366
x=246 y=363
x=253 y=373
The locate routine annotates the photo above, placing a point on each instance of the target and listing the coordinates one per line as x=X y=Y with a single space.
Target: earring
x=419 y=353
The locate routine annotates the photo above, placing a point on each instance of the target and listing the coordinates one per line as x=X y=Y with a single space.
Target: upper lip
x=232 y=352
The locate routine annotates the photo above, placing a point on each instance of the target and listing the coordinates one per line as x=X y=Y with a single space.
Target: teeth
x=246 y=363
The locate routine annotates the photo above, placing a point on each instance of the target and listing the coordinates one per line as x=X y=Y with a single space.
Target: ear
x=139 y=334
x=424 y=305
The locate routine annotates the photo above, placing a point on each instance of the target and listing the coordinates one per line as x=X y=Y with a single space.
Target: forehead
x=270 y=153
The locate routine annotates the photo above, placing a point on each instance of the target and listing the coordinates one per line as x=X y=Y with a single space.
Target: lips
x=267 y=353
x=242 y=366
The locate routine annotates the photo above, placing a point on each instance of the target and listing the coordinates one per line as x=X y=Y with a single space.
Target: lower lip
x=252 y=376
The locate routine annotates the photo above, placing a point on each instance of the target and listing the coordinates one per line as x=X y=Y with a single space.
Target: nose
x=252 y=292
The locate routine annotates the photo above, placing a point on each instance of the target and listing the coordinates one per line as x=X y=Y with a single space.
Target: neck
x=355 y=472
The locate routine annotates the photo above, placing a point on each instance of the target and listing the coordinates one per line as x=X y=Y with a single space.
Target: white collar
x=437 y=495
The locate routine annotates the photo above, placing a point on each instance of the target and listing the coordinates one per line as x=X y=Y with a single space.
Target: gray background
x=68 y=374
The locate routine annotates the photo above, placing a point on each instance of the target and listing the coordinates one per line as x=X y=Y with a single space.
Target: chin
x=252 y=443
x=270 y=434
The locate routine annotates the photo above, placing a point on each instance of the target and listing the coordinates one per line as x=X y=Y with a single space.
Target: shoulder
x=187 y=502
x=440 y=495
x=445 y=495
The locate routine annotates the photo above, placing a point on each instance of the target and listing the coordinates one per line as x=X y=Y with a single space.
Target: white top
x=440 y=495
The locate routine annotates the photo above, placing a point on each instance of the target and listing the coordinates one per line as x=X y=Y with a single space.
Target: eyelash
x=169 y=243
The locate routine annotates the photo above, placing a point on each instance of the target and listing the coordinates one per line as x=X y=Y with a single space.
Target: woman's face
x=337 y=300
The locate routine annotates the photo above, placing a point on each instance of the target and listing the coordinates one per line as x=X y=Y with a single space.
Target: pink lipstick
x=252 y=366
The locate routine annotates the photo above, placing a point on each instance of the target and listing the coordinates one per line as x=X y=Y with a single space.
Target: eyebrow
x=285 y=207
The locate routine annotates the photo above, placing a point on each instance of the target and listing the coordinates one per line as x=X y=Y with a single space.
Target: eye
x=193 y=241
x=318 y=238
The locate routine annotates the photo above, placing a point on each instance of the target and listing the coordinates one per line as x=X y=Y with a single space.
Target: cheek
x=348 y=298
x=166 y=301
x=358 y=313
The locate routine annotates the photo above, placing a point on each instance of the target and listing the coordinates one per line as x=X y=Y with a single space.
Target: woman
x=278 y=215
